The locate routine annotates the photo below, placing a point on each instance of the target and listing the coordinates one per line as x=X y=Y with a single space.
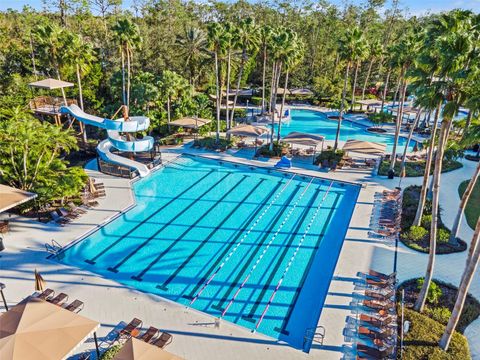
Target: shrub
x=210 y=143
x=278 y=150
x=440 y=314
x=427 y=221
x=110 y=353
x=443 y=235
x=421 y=342
x=329 y=155
x=434 y=291
x=256 y=100
x=415 y=233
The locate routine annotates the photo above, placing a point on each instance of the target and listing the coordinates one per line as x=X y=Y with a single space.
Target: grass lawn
x=472 y=211
x=417 y=168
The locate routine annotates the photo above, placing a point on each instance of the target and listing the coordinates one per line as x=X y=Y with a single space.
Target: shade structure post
x=2 y=286
x=96 y=344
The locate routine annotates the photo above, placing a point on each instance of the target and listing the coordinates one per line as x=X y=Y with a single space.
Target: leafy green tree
x=30 y=157
x=172 y=86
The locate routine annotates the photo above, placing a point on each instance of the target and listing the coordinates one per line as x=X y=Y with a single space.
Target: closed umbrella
x=40 y=283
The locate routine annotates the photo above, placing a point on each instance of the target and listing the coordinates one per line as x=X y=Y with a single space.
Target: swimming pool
x=315 y=122
x=219 y=237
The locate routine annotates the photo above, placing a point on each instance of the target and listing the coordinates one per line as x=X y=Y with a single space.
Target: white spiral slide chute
x=115 y=139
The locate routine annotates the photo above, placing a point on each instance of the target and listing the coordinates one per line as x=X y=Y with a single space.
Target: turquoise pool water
x=315 y=122
x=219 y=237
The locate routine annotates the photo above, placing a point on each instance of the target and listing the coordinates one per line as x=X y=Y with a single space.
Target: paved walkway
x=195 y=336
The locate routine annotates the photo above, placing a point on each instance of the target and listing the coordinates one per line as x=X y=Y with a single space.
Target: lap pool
x=315 y=122
x=253 y=245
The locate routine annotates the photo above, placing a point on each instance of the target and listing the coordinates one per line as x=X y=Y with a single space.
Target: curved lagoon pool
x=315 y=122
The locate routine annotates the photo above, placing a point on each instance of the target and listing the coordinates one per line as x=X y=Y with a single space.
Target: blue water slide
x=124 y=143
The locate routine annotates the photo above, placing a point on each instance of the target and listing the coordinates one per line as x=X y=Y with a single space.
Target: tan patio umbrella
x=11 y=197
x=365 y=147
x=40 y=283
x=135 y=349
x=190 y=122
x=51 y=84
x=37 y=329
x=300 y=138
x=248 y=130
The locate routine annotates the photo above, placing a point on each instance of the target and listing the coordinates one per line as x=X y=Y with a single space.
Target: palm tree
x=292 y=55
x=230 y=35
x=405 y=57
x=126 y=34
x=49 y=39
x=265 y=34
x=247 y=41
x=467 y=277
x=455 y=47
x=80 y=54
x=193 y=45
x=170 y=86
x=375 y=52
x=351 y=48
x=215 y=42
x=360 y=55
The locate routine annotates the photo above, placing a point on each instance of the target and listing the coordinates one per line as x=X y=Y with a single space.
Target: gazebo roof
x=190 y=122
x=135 y=349
x=365 y=147
x=303 y=138
x=11 y=197
x=37 y=329
x=51 y=84
x=301 y=91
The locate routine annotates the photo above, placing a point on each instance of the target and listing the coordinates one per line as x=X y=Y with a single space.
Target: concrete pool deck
x=195 y=334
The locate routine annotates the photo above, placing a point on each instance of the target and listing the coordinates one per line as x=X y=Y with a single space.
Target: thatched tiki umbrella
x=40 y=283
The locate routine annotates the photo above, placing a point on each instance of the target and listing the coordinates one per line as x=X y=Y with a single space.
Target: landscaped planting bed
x=417 y=168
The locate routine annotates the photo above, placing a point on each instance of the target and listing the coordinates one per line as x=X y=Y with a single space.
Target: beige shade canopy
x=37 y=329
x=280 y=91
x=190 y=122
x=365 y=147
x=300 y=138
x=369 y=102
x=11 y=197
x=301 y=91
x=248 y=131
x=51 y=84
x=135 y=349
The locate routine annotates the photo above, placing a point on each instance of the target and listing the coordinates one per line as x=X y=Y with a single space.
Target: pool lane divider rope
x=272 y=239
x=229 y=256
x=172 y=276
x=256 y=247
x=233 y=241
x=286 y=248
x=292 y=258
x=109 y=247
x=184 y=210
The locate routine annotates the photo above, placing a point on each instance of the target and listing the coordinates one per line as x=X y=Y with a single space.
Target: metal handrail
x=316 y=334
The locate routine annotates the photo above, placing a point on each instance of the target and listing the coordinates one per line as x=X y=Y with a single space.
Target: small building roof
x=37 y=329
x=190 y=122
x=51 y=84
x=365 y=147
x=11 y=197
x=303 y=139
x=135 y=349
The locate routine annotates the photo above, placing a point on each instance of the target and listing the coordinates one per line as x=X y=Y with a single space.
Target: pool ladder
x=53 y=248
x=316 y=334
